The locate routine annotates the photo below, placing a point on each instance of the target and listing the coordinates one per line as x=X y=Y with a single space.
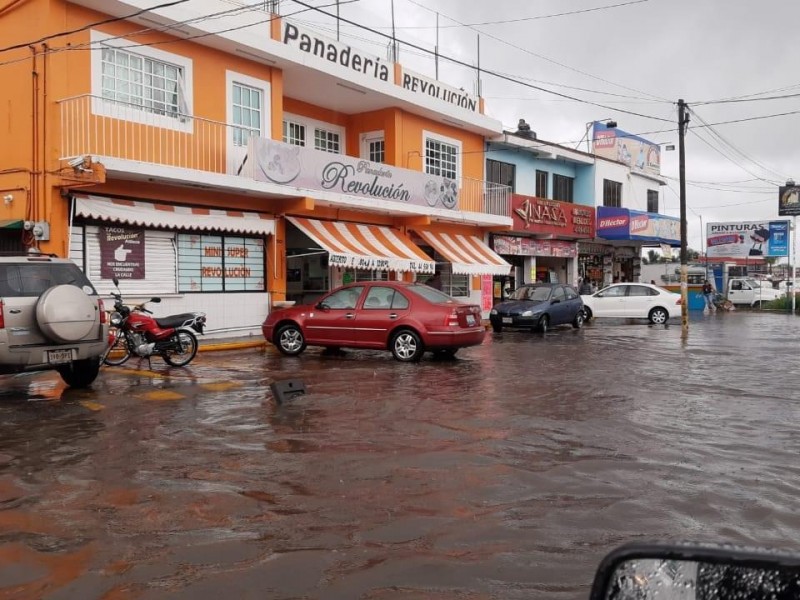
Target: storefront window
x=351 y=276
x=220 y=263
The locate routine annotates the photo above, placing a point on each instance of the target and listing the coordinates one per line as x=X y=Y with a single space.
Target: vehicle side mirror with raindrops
x=696 y=572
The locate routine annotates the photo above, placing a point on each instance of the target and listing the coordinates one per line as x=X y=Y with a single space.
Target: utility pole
x=683 y=121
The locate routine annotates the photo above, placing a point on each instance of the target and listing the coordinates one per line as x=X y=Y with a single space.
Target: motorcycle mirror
x=155 y=299
x=688 y=572
x=115 y=281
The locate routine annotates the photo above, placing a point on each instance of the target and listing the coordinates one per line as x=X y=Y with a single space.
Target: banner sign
x=746 y=239
x=311 y=169
x=551 y=217
x=789 y=201
x=121 y=253
x=487 y=291
x=636 y=152
x=626 y=224
x=523 y=246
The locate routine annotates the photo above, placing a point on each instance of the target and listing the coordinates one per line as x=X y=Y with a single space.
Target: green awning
x=11 y=223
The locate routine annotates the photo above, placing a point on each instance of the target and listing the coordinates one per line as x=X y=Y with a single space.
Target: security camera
x=76 y=162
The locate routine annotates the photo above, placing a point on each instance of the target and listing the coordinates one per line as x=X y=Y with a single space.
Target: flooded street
x=507 y=473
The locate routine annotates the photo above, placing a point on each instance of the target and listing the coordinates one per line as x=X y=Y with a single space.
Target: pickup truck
x=751 y=292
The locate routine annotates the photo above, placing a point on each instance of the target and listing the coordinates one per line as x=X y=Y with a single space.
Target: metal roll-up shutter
x=160 y=261
x=76 y=246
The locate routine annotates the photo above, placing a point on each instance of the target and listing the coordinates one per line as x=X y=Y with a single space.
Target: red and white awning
x=369 y=247
x=169 y=216
x=467 y=253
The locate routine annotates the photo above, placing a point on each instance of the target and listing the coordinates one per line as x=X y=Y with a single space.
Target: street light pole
x=683 y=121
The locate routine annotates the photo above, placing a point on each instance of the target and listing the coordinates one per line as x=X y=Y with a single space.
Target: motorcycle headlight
x=116 y=319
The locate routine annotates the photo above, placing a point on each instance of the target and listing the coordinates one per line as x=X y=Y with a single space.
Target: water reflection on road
x=505 y=474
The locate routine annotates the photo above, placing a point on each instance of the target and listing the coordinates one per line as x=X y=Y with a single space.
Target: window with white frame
x=144 y=85
x=294 y=133
x=327 y=137
x=373 y=146
x=442 y=156
x=247 y=105
x=327 y=141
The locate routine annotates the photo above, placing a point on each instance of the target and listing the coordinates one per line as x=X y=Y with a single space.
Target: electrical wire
x=539 y=56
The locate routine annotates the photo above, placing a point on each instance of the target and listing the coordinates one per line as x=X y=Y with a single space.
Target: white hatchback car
x=633 y=301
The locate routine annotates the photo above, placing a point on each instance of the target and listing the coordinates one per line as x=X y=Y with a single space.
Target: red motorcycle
x=134 y=333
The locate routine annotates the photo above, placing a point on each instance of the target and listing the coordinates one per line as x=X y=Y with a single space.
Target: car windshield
x=431 y=294
x=536 y=294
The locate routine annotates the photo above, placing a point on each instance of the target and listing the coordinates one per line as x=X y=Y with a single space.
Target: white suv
x=50 y=318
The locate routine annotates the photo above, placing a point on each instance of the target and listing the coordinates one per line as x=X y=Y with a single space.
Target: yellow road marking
x=164 y=395
x=221 y=386
x=94 y=406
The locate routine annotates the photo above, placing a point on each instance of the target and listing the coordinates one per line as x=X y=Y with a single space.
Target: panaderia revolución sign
x=331 y=52
x=310 y=169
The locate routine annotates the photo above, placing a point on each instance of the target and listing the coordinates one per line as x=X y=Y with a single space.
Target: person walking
x=708 y=294
x=586 y=288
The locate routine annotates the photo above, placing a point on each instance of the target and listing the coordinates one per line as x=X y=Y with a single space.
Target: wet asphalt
x=506 y=473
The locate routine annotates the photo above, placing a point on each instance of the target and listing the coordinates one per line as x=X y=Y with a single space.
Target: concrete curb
x=223 y=346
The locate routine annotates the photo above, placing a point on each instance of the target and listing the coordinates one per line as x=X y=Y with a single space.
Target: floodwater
x=507 y=473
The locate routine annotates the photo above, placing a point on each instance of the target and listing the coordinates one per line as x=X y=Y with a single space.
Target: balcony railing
x=97 y=126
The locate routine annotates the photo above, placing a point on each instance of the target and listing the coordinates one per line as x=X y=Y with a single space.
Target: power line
x=542 y=57
x=90 y=25
x=740 y=100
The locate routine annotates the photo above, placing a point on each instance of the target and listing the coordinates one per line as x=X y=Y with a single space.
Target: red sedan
x=405 y=318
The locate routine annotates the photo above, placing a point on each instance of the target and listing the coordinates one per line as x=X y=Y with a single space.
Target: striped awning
x=169 y=216
x=467 y=253
x=369 y=247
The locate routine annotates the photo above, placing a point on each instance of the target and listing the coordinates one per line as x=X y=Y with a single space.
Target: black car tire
x=658 y=316
x=587 y=313
x=544 y=323
x=497 y=328
x=579 y=319
x=80 y=373
x=406 y=346
x=290 y=340
x=188 y=342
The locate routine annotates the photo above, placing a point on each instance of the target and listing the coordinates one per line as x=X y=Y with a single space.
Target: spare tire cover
x=66 y=314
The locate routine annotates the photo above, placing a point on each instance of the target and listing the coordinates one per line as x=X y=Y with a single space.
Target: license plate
x=508 y=320
x=470 y=320
x=59 y=357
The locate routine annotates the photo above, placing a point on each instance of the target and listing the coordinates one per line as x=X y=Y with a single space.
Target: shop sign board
x=523 y=246
x=424 y=86
x=552 y=217
x=311 y=169
x=745 y=239
x=217 y=263
x=789 y=200
x=122 y=253
x=625 y=224
x=636 y=152
x=487 y=291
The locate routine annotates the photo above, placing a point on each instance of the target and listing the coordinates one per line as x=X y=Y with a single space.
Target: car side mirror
x=322 y=306
x=643 y=570
x=555 y=301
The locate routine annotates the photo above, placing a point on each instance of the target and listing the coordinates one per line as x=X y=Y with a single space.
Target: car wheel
x=188 y=343
x=290 y=340
x=577 y=322
x=497 y=328
x=407 y=346
x=80 y=373
x=587 y=314
x=658 y=316
x=544 y=323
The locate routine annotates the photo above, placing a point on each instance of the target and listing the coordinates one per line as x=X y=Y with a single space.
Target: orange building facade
x=228 y=159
